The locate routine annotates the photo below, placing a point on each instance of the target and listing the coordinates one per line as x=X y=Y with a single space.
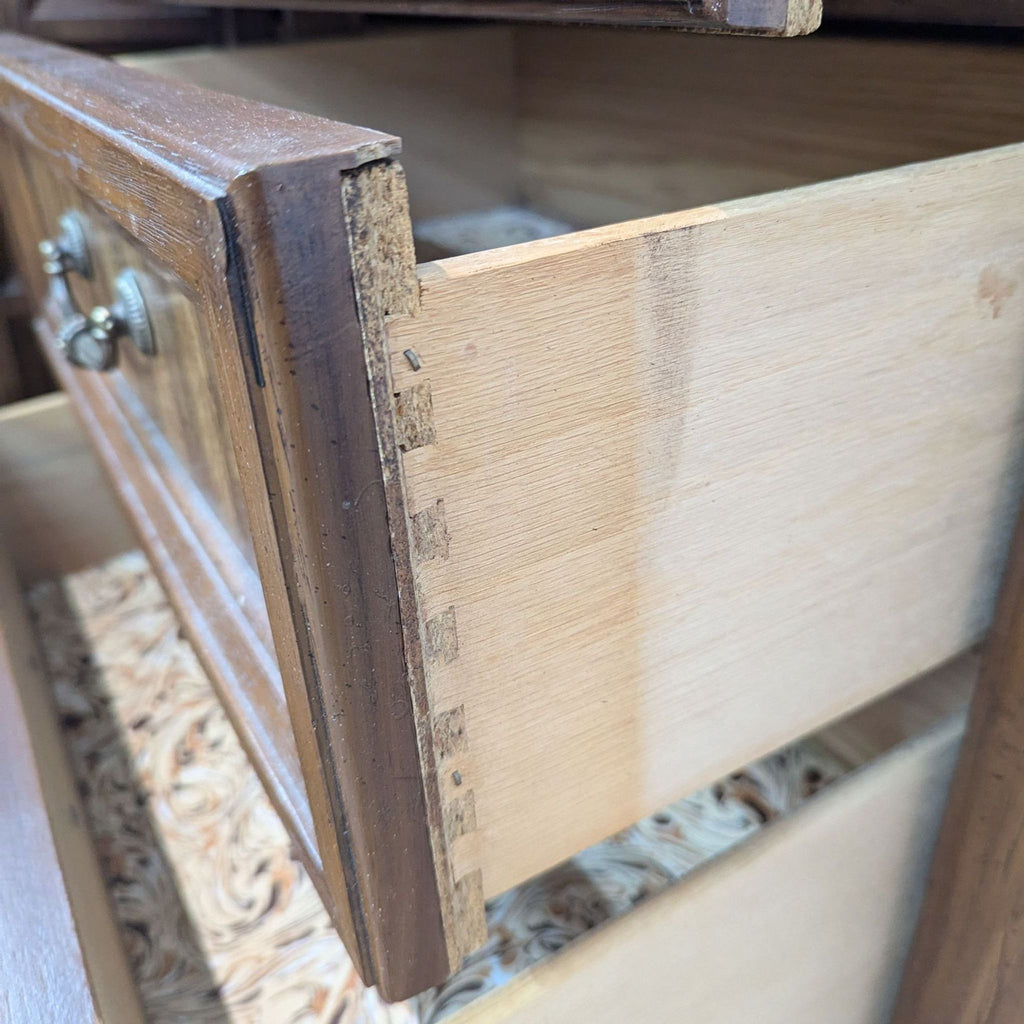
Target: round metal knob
x=90 y=342
x=131 y=312
x=69 y=251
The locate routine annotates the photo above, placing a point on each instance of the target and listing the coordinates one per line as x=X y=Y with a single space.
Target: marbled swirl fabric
x=222 y=924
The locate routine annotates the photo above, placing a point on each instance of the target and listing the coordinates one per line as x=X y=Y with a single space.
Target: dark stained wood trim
x=157 y=155
x=385 y=284
x=243 y=202
x=966 y=965
x=61 y=955
x=748 y=17
x=309 y=390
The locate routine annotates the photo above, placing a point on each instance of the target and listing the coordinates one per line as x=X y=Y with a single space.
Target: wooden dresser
x=492 y=549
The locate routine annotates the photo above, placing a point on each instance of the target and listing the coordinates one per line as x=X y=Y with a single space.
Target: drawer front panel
x=170 y=394
x=268 y=245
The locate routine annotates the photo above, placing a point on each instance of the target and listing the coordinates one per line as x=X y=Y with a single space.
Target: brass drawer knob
x=91 y=341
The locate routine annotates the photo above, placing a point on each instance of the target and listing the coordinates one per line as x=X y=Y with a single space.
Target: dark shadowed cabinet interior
x=533 y=424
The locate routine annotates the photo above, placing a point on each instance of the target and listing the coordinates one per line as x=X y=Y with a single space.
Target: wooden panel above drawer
x=746 y=17
x=247 y=441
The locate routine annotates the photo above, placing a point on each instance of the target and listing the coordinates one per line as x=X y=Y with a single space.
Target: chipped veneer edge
x=377 y=214
x=803 y=17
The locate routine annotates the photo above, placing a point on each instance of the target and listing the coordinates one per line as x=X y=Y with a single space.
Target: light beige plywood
x=61 y=956
x=57 y=512
x=808 y=922
x=912 y=709
x=709 y=481
x=608 y=881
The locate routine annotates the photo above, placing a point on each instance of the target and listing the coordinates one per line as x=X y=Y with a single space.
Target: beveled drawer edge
x=330 y=499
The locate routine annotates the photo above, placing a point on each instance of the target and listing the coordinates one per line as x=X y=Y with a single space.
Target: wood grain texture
x=967 y=962
x=208 y=187
x=57 y=513
x=615 y=125
x=171 y=398
x=61 y=955
x=820 y=910
x=710 y=480
x=588 y=124
x=745 y=17
x=449 y=95
x=534 y=925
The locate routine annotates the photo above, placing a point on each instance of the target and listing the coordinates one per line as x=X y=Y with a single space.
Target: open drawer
x=784 y=894
x=492 y=556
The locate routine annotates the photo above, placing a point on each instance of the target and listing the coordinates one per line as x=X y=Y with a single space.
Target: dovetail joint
x=442 y=638
x=414 y=417
x=430 y=533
